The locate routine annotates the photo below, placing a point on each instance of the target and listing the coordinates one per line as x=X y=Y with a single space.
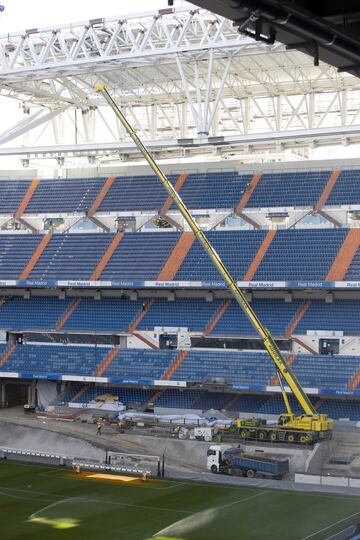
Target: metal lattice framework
x=181 y=77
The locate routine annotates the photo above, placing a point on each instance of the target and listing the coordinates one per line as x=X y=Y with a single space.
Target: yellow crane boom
x=280 y=362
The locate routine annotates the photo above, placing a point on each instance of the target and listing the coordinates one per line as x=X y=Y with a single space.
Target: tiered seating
x=106 y=315
x=127 y=396
x=235 y=367
x=218 y=190
x=338 y=408
x=339 y=315
x=11 y=194
x=40 y=313
x=293 y=255
x=140 y=256
x=248 y=403
x=237 y=250
x=203 y=190
x=70 y=195
x=275 y=405
x=346 y=189
x=301 y=254
x=55 y=359
x=140 y=364
x=288 y=189
x=353 y=273
x=135 y=193
x=274 y=314
x=193 y=313
x=179 y=399
x=71 y=256
x=333 y=372
x=15 y=251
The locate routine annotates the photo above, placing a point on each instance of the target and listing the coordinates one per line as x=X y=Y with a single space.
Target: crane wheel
x=303 y=439
x=250 y=473
x=243 y=434
x=262 y=436
x=273 y=436
x=290 y=437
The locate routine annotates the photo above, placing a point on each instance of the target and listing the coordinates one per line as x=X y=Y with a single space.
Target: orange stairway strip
x=107 y=256
x=178 y=360
x=353 y=384
x=78 y=394
x=257 y=260
x=168 y=201
x=231 y=402
x=327 y=190
x=35 y=256
x=146 y=340
x=67 y=314
x=177 y=256
x=344 y=256
x=290 y=360
x=220 y=312
x=7 y=353
x=305 y=345
x=107 y=361
x=140 y=315
x=246 y=196
x=100 y=196
x=155 y=396
x=27 y=197
x=297 y=318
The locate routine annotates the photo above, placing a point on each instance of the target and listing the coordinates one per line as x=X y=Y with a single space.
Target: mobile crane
x=305 y=428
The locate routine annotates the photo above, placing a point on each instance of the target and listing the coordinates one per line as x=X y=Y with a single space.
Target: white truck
x=223 y=459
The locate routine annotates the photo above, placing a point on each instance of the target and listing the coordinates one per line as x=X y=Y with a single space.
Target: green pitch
x=42 y=503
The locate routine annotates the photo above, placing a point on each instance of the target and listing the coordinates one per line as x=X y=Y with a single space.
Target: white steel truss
x=178 y=75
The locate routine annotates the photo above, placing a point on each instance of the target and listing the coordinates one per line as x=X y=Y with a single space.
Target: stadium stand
x=199 y=191
x=234 y=368
x=114 y=315
x=288 y=189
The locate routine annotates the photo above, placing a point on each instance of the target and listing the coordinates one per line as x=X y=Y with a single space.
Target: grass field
x=41 y=502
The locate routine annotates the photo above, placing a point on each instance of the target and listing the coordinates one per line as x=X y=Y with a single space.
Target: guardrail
x=327 y=480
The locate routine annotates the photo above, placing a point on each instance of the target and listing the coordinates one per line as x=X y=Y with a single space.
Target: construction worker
x=98 y=430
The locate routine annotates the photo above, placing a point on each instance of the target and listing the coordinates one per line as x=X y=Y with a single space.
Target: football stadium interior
x=108 y=300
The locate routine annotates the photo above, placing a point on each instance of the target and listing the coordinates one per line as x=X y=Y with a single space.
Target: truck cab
x=214 y=456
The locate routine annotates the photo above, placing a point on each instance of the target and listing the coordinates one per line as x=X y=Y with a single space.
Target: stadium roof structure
x=188 y=81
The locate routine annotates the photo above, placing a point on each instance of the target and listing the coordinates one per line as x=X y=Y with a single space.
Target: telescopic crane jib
x=317 y=426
